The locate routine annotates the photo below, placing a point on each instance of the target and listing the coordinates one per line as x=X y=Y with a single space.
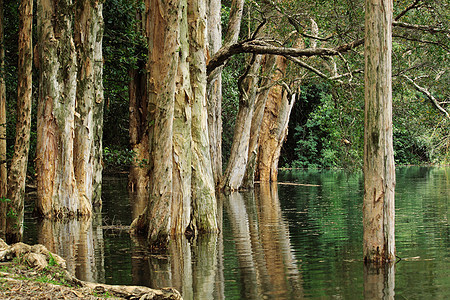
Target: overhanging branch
x=428 y=94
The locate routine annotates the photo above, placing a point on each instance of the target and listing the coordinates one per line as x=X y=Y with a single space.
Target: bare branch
x=428 y=94
x=431 y=29
x=413 y=5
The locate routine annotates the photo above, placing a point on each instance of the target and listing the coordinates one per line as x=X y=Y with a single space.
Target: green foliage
x=118 y=158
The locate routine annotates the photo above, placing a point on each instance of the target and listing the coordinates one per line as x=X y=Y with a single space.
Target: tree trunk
x=234 y=173
x=274 y=126
x=214 y=89
x=89 y=104
x=138 y=178
x=18 y=169
x=182 y=126
x=57 y=193
x=204 y=206
x=379 y=169
x=3 y=167
x=164 y=43
x=260 y=105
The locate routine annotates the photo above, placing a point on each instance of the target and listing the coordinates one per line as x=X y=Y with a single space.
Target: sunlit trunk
x=56 y=185
x=18 y=168
x=89 y=100
x=3 y=166
x=182 y=144
x=163 y=60
x=260 y=105
x=379 y=168
x=274 y=127
x=234 y=173
x=214 y=89
x=204 y=206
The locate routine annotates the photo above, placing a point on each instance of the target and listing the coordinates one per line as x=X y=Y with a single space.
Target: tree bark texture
x=182 y=144
x=204 y=210
x=18 y=168
x=234 y=173
x=274 y=126
x=163 y=30
x=214 y=89
x=3 y=166
x=379 y=169
x=260 y=105
x=57 y=192
x=89 y=100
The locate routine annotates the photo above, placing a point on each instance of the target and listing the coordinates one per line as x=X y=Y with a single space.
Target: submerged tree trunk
x=203 y=189
x=18 y=169
x=274 y=126
x=57 y=192
x=379 y=169
x=3 y=166
x=89 y=102
x=163 y=59
x=234 y=173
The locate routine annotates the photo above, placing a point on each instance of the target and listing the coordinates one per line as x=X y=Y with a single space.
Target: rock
x=36 y=260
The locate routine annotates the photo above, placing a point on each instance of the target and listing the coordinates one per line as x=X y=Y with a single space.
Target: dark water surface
x=280 y=241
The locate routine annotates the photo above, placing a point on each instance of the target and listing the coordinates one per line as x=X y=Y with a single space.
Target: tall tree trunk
x=260 y=105
x=89 y=103
x=234 y=173
x=56 y=185
x=379 y=169
x=182 y=144
x=214 y=89
x=138 y=178
x=204 y=206
x=18 y=169
x=274 y=126
x=164 y=42
x=3 y=166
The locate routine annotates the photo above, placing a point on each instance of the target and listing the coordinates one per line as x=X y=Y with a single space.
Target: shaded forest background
x=326 y=123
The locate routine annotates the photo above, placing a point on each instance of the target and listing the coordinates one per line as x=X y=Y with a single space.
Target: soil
x=32 y=272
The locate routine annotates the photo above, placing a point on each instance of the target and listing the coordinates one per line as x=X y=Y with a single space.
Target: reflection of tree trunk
x=237 y=212
x=73 y=240
x=204 y=267
x=18 y=168
x=379 y=282
x=274 y=238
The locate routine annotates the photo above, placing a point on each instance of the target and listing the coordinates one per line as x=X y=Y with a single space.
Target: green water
x=277 y=242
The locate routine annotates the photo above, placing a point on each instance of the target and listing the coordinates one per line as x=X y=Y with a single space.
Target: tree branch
x=428 y=94
x=413 y=5
x=431 y=29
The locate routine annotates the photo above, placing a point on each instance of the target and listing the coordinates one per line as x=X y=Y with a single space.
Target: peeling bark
x=56 y=184
x=379 y=168
x=204 y=207
x=89 y=103
x=234 y=173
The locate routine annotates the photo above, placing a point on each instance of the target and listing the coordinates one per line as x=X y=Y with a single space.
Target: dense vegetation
x=326 y=124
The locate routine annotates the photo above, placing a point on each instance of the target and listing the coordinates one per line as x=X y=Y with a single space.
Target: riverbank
x=33 y=272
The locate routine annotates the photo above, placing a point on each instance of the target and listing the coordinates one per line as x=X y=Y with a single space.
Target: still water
x=298 y=240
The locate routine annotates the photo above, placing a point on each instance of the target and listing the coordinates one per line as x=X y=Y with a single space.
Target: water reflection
x=79 y=242
x=379 y=282
x=266 y=261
